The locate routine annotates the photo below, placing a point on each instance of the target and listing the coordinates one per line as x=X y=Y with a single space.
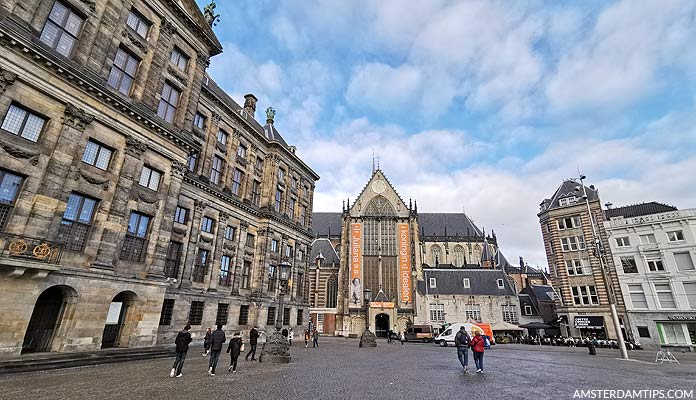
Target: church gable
x=379 y=199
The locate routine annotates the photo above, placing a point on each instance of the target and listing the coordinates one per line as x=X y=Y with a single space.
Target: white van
x=447 y=337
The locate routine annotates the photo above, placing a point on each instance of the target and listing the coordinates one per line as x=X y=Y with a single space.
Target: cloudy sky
x=482 y=106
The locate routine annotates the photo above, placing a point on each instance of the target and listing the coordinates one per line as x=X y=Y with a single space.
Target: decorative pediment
x=379 y=199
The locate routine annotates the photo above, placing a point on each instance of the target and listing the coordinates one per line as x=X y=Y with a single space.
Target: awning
x=535 y=325
x=504 y=326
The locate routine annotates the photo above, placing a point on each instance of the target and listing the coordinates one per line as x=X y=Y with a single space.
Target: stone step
x=50 y=361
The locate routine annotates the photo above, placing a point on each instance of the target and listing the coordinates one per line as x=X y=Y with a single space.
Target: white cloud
x=382 y=87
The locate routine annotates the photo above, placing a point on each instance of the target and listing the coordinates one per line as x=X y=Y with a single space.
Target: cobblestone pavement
x=338 y=369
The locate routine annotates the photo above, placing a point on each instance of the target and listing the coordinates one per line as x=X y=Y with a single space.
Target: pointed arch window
x=459 y=257
x=436 y=253
x=379 y=207
x=331 y=291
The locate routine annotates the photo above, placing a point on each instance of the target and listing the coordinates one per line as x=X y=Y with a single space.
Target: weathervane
x=209 y=14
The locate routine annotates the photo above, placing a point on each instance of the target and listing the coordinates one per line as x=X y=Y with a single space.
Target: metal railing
x=30 y=248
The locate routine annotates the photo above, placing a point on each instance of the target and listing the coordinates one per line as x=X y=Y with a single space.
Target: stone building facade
x=575 y=270
x=323 y=285
x=110 y=186
x=655 y=247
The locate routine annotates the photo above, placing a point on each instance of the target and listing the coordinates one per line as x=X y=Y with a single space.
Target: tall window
x=684 y=261
x=291 y=208
x=173 y=260
x=623 y=242
x=303 y=215
x=236 y=181
x=584 y=295
x=569 y=223
x=222 y=313
x=473 y=311
x=331 y=291
x=169 y=101
x=178 y=58
x=181 y=215
x=134 y=243
x=300 y=319
x=222 y=137
x=436 y=254
x=286 y=316
x=278 y=199
x=216 y=170
x=274 y=246
x=648 y=239
x=123 y=71
x=690 y=290
x=246 y=274
x=272 y=277
x=225 y=276
x=270 y=317
x=242 y=151
x=578 y=267
x=281 y=175
x=255 y=193
x=675 y=236
x=437 y=312
x=655 y=265
x=250 y=239
x=664 y=295
x=150 y=178
x=23 y=123
x=200 y=269
x=199 y=120
x=259 y=163
x=299 y=283
x=192 y=161
x=138 y=23
x=628 y=264
x=196 y=312
x=9 y=188
x=167 y=311
x=459 y=258
x=207 y=224
x=97 y=154
x=243 y=315
x=61 y=29
x=573 y=243
x=637 y=296
x=77 y=217
x=230 y=232
x=510 y=313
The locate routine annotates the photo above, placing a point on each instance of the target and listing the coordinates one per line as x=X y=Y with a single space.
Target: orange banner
x=404 y=263
x=355 y=278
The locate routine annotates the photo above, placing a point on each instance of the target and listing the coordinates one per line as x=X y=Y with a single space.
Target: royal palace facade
x=135 y=195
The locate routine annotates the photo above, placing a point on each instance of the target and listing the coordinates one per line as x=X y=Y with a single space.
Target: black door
x=44 y=319
x=112 y=329
x=381 y=325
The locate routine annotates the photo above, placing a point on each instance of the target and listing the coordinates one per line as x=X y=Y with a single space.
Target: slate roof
x=567 y=189
x=482 y=282
x=542 y=292
x=323 y=246
x=432 y=224
x=637 y=210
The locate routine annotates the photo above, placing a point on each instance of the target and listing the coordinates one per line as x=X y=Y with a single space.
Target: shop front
x=590 y=326
x=678 y=331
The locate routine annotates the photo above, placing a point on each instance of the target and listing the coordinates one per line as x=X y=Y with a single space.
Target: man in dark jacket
x=182 y=344
x=234 y=348
x=253 y=339
x=216 y=341
x=462 y=340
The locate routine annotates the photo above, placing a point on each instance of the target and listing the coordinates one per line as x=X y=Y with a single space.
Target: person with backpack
x=477 y=346
x=461 y=341
x=216 y=341
x=235 y=348
x=182 y=344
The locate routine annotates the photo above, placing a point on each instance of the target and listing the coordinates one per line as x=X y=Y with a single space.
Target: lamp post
x=600 y=253
x=368 y=339
x=276 y=348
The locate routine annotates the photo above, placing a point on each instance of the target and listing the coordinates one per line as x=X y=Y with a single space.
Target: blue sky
x=483 y=106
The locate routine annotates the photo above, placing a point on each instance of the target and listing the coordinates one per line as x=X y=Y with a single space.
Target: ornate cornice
x=76 y=117
x=216 y=118
x=168 y=27
x=203 y=59
x=135 y=147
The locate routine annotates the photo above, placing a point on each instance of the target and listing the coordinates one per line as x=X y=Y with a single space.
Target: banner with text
x=405 y=263
x=355 y=279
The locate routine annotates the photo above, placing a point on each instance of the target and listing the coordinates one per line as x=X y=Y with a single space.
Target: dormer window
x=433 y=283
x=501 y=284
x=466 y=283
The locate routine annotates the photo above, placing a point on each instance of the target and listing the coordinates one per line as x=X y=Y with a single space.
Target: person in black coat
x=234 y=348
x=216 y=341
x=182 y=344
x=253 y=340
x=206 y=341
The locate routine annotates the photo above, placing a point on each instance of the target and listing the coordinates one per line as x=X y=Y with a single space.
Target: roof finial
x=209 y=14
x=373 y=160
x=270 y=115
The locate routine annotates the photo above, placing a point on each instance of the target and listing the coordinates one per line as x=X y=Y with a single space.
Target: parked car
x=419 y=333
x=447 y=337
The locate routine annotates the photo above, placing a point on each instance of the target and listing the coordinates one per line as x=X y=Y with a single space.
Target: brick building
x=135 y=195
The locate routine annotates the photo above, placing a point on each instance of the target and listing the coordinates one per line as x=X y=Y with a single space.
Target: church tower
x=379 y=235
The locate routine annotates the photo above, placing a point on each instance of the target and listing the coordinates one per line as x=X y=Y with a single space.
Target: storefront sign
x=404 y=263
x=681 y=317
x=589 y=322
x=382 y=304
x=355 y=279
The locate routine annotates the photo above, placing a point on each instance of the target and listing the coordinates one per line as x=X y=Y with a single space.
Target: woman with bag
x=235 y=348
x=477 y=346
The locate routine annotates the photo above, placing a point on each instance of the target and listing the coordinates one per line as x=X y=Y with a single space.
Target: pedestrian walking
x=402 y=337
x=235 y=348
x=216 y=341
x=592 y=346
x=306 y=338
x=477 y=346
x=206 y=341
x=285 y=333
x=182 y=344
x=291 y=335
x=253 y=340
x=315 y=338
x=461 y=341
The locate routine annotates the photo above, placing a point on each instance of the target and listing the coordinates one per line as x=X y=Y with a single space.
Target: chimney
x=250 y=104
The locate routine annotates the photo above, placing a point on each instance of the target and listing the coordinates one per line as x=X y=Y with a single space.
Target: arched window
x=331 y=291
x=459 y=257
x=436 y=253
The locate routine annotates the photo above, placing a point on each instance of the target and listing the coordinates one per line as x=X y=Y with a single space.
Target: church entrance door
x=381 y=325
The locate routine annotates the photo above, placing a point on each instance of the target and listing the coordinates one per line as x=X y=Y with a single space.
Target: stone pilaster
x=160 y=58
x=191 y=251
x=239 y=259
